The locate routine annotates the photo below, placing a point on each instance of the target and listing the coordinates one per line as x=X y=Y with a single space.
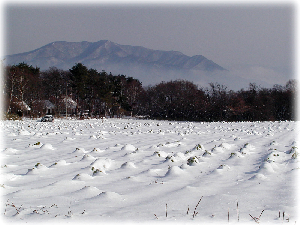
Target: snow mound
x=224 y=167
x=258 y=176
x=272 y=156
x=225 y=146
x=32 y=171
x=110 y=195
x=153 y=147
x=69 y=139
x=174 y=171
x=8 y=177
x=234 y=155
x=184 y=166
x=36 y=145
x=171 y=145
x=97 y=150
x=60 y=163
x=206 y=153
x=128 y=165
x=199 y=147
x=53 y=133
x=82 y=177
x=273 y=143
x=268 y=167
x=132 y=153
x=294 y=152
x=161 y=154
x=36 y=169
x=179 y=156
x=97 y=172
x=10 y=151
x=41 y=166
x=249 y=146
x=101 y=164
x=247 y=149
x=79 y=150
x=217 y=150
x=47 y=146
x=86 y=192
x=24 y=132
x=128 y=147
x=87 y=157
x=134 y=179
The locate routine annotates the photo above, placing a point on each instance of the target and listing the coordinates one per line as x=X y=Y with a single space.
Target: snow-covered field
x=119 y=170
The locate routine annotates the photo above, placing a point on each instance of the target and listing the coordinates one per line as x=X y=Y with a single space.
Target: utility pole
x=66 y=101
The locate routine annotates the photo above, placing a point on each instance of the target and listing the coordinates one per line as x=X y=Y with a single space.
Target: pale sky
x=229 y=34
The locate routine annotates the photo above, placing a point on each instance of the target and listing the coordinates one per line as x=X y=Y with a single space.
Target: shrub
x=192 y=160
x=295 y=155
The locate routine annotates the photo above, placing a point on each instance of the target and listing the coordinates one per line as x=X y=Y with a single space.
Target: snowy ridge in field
x=143 y=170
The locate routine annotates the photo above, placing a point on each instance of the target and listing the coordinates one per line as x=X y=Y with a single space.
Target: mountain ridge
x=105 y=54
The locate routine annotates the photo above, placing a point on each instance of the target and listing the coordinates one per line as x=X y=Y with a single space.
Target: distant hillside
x=149 y=66
x=109 y=55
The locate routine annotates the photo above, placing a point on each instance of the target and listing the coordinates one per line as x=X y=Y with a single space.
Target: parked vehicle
x=47 y=118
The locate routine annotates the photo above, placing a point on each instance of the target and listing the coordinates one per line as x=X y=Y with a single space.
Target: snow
x=149 y=171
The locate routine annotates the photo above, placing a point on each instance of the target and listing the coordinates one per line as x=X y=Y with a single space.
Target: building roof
x=23 y=105
x=71 y=104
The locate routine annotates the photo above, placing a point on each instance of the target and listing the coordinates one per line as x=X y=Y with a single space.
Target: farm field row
x=146 y=171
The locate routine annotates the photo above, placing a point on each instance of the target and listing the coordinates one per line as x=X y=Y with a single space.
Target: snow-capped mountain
x=149 y=66
x=110 y=56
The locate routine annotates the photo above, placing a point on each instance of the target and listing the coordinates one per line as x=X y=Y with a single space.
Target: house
x=67 y=103
x=20 y=108
x=41 y=107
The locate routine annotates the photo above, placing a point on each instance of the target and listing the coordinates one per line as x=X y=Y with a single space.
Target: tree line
x=97 y=94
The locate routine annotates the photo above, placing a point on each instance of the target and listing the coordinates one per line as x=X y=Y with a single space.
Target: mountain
x=147 y=65
x=107 y=55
